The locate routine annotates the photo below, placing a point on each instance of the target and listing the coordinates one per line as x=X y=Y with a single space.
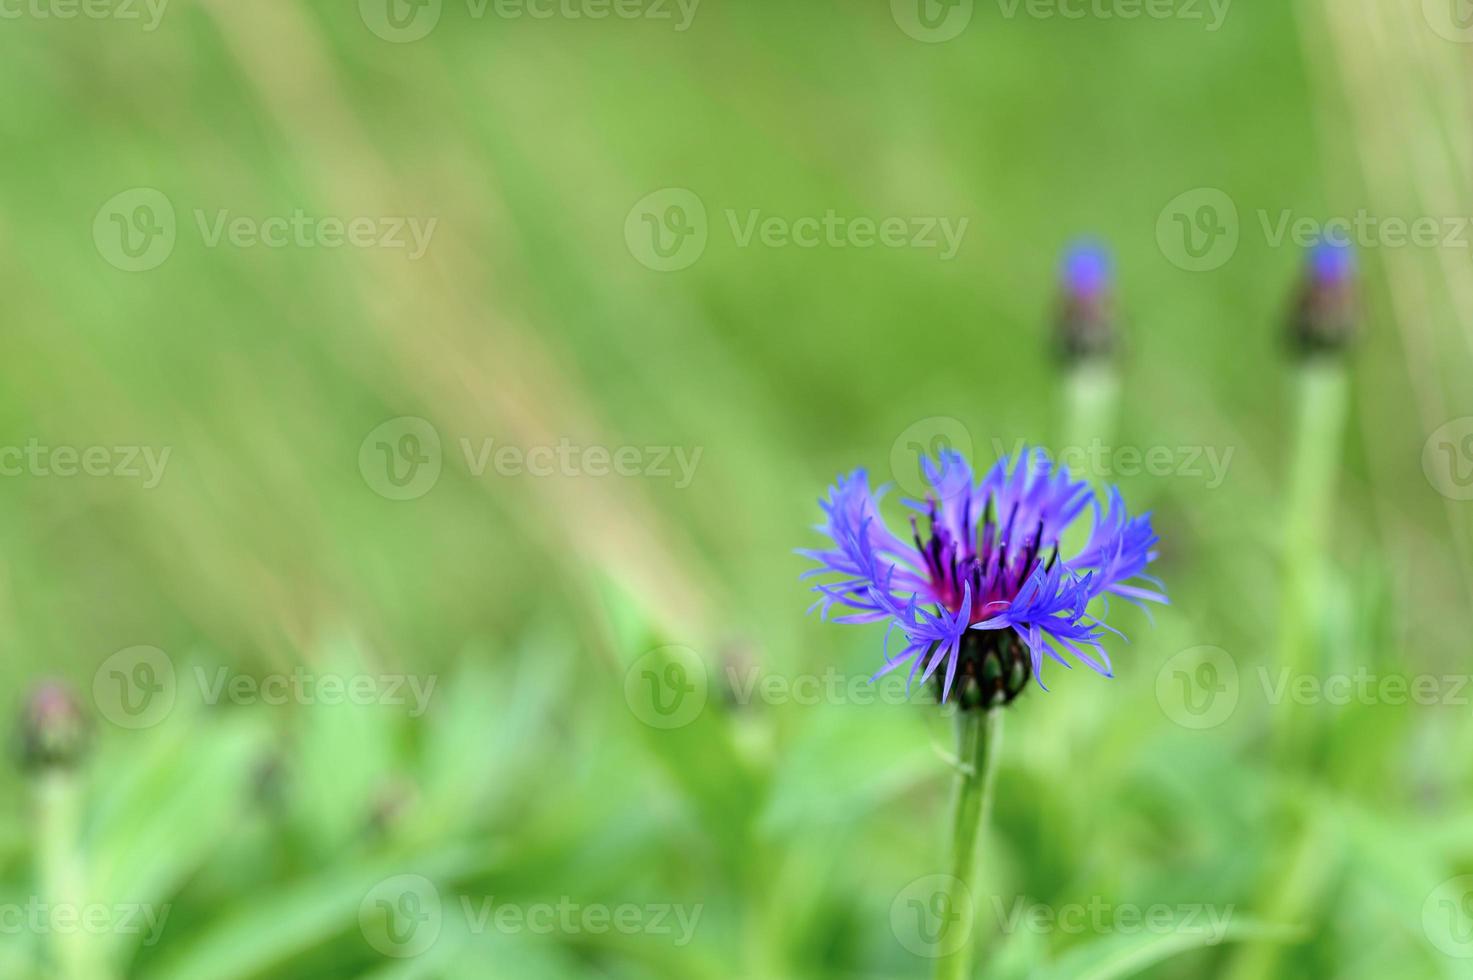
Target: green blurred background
x=792 y=832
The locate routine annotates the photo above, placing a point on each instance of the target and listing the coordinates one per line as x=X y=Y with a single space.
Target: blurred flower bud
x=739 y=672
x=53 y=731
x=269 y=782
x=392 y=805
x=1085 y=324
x=1326 y=309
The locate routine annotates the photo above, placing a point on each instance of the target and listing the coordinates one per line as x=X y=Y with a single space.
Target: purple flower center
x=992 y=567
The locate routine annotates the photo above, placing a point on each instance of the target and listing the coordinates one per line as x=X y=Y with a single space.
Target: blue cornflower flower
x=1084 y=323
x=982 y=589
x=1326 y=309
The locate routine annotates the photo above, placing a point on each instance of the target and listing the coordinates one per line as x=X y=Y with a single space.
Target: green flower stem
x=1322 y=391
x=1091 y=394
x=979 y=737
x=1323 y=398
x=1091 y=400
x=58 y=818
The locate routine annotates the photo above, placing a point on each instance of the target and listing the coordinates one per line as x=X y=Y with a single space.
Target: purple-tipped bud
x=1085 y=321
x=53 y=731
x=1327 y=306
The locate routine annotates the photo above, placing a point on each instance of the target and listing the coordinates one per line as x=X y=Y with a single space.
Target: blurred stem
x=1091 y=398
x=58 y=823
x=979 y=737
x=1092 y=391
x=1322 y=396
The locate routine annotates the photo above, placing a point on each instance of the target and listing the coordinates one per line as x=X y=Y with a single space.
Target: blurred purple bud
x=53 y=730
x=1085 y=324
x=1327 y=307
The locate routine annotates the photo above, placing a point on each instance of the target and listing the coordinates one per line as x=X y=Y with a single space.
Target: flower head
x=979 y=591
x=53 y=730
x=1326 y=308
x=1085 y=318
